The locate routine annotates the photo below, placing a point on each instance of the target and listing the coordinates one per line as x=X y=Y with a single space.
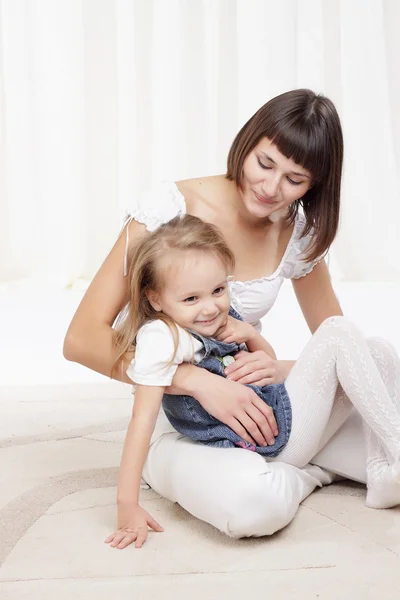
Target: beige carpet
x=59 y=460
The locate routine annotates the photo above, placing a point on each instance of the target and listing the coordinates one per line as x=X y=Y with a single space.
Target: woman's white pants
x=238 y=491
x=235 y=490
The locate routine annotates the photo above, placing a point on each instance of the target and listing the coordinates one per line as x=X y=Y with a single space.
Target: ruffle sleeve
x=159 y=205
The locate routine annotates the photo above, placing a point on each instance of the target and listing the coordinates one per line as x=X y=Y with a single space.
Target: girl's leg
x=337 y=353
x=234 y=490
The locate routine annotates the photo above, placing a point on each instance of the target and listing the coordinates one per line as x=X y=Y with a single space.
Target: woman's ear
x=154 y=299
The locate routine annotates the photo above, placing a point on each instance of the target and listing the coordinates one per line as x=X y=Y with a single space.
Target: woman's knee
x=382 y=347
x=267 y=503
x=338 y=322
x=340 y=328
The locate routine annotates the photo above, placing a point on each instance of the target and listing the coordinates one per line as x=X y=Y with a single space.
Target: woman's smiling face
x=271 y=182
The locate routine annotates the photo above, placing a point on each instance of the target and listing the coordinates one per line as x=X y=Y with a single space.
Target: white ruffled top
x=252 y=299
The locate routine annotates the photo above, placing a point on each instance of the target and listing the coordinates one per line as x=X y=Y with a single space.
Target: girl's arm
x=257 y=342
x=241 y=332
x=133 y=520
x=144 y=416
x=316 y=297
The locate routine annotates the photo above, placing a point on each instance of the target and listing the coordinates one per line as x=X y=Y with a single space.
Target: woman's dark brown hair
x=305 y=127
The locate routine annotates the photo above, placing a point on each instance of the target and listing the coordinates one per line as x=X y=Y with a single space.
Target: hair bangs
x=306 y=148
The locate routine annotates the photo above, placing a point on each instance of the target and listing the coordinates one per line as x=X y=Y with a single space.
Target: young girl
x=179 y=311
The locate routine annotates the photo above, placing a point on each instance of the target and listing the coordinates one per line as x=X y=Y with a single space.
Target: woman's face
x=271 y=182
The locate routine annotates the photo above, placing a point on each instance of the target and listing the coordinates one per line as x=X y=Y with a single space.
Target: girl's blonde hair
x=181 y=233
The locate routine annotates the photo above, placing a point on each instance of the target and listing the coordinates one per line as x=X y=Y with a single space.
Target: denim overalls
x=188 y=417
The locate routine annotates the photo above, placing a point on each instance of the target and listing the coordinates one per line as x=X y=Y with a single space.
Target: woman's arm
x=259 y=366
x=282 y=367
x=317 y=300
x=90 y=337
x=237 y=406
x=316 y=297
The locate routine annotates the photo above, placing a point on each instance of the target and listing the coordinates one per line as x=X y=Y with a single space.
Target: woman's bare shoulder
x=204 y=194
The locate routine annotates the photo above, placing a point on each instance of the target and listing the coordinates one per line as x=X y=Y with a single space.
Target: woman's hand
x=235 y=331
x=237 y=406
x=133 y=522
x=258 y=368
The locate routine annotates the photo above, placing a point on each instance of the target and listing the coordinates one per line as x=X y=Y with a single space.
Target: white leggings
x=240 y=493
x=339 y=369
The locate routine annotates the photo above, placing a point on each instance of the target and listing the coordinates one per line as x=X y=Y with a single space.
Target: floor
x=61 y=435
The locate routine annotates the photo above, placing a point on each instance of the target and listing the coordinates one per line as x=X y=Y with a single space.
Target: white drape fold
x=100 y=98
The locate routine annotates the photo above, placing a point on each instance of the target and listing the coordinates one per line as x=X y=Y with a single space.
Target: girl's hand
x=237 y=406
x=257 y=368
x=235 y=331
x=133 y=522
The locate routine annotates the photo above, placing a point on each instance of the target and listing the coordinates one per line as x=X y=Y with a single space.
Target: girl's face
x=271 y=182
x=195 y=292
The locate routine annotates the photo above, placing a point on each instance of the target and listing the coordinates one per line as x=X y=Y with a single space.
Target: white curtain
x=100 y=98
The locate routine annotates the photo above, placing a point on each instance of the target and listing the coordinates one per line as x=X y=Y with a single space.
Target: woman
x=289 y=154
